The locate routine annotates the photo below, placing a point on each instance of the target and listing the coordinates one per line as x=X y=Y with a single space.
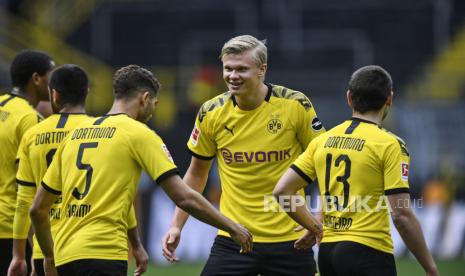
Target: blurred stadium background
x=313 y=47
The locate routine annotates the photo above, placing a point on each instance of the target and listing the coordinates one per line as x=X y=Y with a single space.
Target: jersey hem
x=383 y=249
x=25 y=183
x=301 y=173
x=50 y=190
x=200 y=156
x=166 y=174
x=85 y=257
x=397 y=191
x=268 y=240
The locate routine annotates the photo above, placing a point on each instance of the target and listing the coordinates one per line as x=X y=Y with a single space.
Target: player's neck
x=251 y=100
x=121 y=106
x=375 y=117
x=73 y=109
x=31 y=98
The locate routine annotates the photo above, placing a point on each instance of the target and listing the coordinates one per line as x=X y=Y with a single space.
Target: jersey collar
x=267 y=98
x=363 y=121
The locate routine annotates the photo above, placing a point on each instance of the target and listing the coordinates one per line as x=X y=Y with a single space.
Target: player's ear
x=262 y=69
x=54 y=96
x=389 y=99
x=349 y=99
x=35 y=78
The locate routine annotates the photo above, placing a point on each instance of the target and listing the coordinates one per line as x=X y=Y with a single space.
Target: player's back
x=16 y=117
x=357 y=163
x=97 y=169
x=35 y=154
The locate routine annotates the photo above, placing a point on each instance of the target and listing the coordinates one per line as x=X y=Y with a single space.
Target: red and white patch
x=165 y=148
x=404 y=171
x=195 y=135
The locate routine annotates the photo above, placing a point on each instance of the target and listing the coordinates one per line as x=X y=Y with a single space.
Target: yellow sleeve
x=153 y=155
x=396 y=168
x=52 y=178
x=24 y=173
x=132 y=219
x=26 y=123
x=22 y=222
x=201 y=143
x=308 y=125
x=304 y=165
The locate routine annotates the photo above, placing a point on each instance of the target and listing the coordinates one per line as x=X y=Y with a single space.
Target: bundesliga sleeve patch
x=317 y=125
x=195 y=135
x=168 y=154
x=404 y=171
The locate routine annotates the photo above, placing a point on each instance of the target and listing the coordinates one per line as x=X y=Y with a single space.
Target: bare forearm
x=134 y=237
x=197 y=183
x=19 y=248
x=201 y=209
x=300 y=214
x=41 y=226
x=410 y=230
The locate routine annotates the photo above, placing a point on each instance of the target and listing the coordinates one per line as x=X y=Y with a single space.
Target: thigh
x=6 y=246
x=284 y=260
x=351 y=258
x=225 y=259
x=39 y=267
x=325 y=255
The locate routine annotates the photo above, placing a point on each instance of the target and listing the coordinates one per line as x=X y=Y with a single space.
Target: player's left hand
x=306 y=241
x=142 y=260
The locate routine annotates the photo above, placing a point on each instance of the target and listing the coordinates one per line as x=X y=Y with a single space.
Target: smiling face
x=241 y=72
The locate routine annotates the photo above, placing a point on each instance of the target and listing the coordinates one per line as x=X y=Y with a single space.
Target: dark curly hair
x=26 y=63
x=132 y=79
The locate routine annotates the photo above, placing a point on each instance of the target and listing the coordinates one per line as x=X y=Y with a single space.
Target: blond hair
x=244 y=43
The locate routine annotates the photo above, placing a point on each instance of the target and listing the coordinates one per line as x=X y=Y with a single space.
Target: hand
x=49 y=267
x=169 y=243
x=306 y=241
x=18 y=267
x=432 y=272
x=142 y=260
x=243 y=237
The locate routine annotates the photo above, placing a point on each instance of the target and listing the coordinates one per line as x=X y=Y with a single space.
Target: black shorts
x=94 y=267
x=266 y=259
x=39 y=267
x=6 y=254
x=348 y=258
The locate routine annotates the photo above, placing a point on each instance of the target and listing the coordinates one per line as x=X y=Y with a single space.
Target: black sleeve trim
x=50 y=190
x=25 y=183
x=200 y=156
x=397 y=191
x=301 y=173
x=165 y=175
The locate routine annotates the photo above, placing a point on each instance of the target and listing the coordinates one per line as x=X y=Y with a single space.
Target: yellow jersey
x=35 y=154
x=16 y=117
x=96 y=170
x=254 y=148
x=357 y=164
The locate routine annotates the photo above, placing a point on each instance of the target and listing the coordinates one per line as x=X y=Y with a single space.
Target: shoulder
x=283 y=93
x=394 y=139
x=213 y=104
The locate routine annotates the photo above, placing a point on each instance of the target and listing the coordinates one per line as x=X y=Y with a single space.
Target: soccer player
x=255 y=130
x=68 y=88
x=29 y=76
x=96 y=170
x=361 y=169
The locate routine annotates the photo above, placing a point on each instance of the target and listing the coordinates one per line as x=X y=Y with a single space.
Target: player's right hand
x=243 y=237
x=18 y=267
x=170 y=242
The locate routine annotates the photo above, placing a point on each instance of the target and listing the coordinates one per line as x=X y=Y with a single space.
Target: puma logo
x=230 y=129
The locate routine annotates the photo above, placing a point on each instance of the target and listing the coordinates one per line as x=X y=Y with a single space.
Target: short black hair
x=132 y=79
x=26 y=63
x=71 y=82
x=370 y=87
